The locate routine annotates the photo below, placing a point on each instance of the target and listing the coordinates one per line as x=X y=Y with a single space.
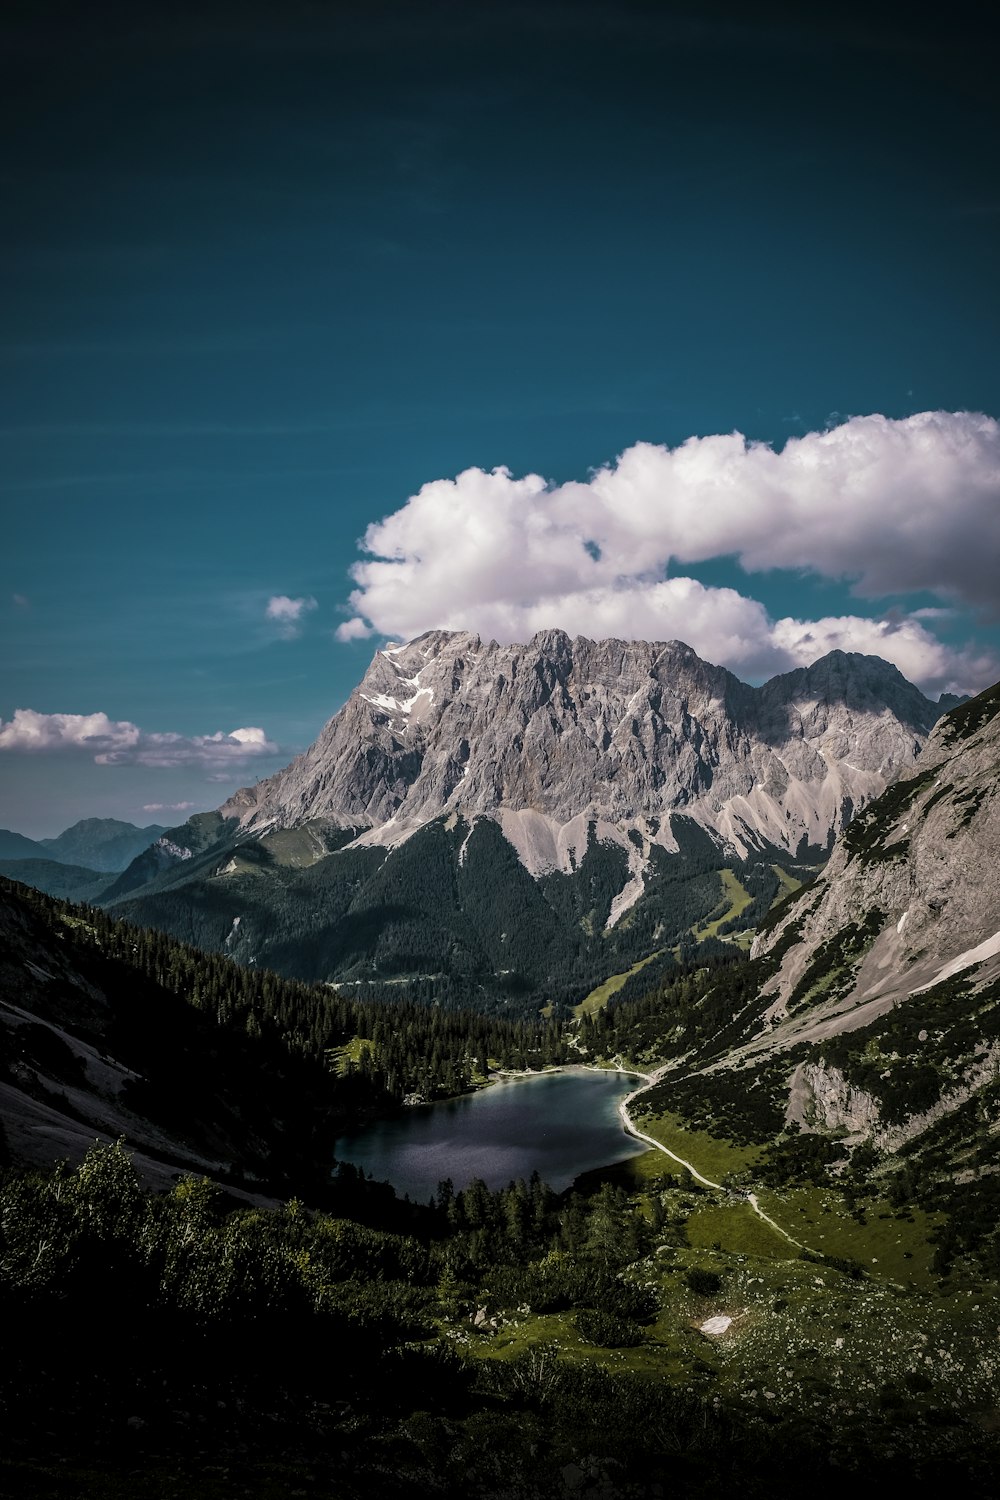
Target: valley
x=792 y=1271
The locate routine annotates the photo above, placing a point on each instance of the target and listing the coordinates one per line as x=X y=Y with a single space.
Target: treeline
x=438 y=1053
x=410 y=1047
x=413 y=1047
x=699 y=1007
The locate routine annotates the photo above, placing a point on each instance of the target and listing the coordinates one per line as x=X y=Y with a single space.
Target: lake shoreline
x=567 y=1125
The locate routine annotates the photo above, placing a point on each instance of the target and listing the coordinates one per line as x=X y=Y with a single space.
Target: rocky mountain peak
x=557 y=736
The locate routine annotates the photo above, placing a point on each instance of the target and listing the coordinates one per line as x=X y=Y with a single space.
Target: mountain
x=867 y=1021
x=552 y=736
x=103 y=844
x=77 y=864
x=71 y=882
x=894 y=977
x=16 y=846
x=530 y=819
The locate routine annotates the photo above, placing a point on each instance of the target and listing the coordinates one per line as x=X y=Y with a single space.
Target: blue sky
x=271 y=272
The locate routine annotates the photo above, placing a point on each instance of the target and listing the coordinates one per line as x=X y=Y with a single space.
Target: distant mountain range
x=495 y=823
x=78 y=863
x=101 y=845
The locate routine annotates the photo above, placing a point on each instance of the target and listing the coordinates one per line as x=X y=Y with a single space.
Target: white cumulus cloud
x=353 y=630
x=30 y=731
x=117 y=742
x=288 y=613
x=890 y=506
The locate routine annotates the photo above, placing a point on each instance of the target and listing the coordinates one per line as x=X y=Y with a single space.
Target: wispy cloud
x=893 y=507
x=20 y=601
x=118 y=742
x=150 y=807
x=287 y=614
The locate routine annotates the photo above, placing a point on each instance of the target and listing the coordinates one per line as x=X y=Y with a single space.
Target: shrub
x=636 y=1304
x=606 y=1329
x=705 y=1283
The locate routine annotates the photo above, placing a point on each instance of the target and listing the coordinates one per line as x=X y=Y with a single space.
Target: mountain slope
x=16 y=846
x=71 y=882
x=903 y=927
x=92 y=1045
x=871 y=1005
x=528 y=820
x=923 y=857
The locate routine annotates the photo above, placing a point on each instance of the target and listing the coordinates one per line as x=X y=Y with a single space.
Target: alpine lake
x=558 y=1124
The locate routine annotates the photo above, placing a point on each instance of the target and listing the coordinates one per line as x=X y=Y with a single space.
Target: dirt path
x=751 y=1198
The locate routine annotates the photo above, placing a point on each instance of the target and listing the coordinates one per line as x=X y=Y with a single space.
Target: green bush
x=705 y=1283
x=606 y=1329
x=636 y=1304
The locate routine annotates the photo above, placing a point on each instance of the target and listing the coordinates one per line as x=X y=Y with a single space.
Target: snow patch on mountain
x=982 y=951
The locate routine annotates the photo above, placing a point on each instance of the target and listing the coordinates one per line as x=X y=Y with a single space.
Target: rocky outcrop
x=821 y=1098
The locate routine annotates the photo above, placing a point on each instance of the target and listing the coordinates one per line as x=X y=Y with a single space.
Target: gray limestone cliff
x=553 y=736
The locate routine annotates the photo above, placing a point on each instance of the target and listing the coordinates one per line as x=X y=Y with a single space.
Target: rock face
x=917 y=873
x=824 y=1100
x=555 y=736
x=886 y=970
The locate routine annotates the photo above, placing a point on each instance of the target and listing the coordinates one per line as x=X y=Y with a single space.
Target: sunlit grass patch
x=709 y=1155
x=68 y=920
x=735 y=899
x=735 y=1228
x=295 y=847
x=350 y=1052
x=671 y=1350
x=599 y=997
x=788 y=884
x=742 y=939
x=886 y=1244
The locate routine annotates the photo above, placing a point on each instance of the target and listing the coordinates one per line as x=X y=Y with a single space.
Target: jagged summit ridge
x=558 y=734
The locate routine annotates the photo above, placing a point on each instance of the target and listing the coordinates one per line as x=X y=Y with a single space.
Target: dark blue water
x=558 y=1124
